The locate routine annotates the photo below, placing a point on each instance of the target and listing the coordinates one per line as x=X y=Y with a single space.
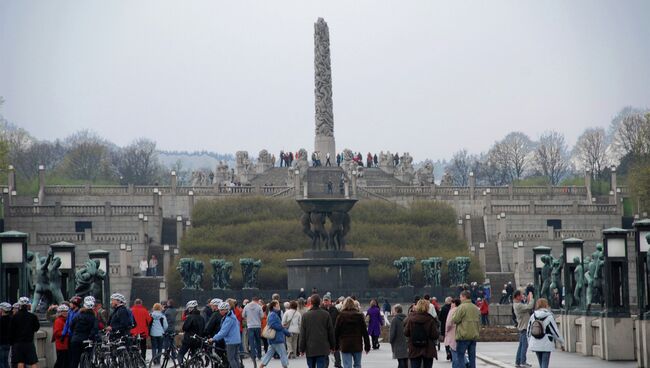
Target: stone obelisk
x=324 y=142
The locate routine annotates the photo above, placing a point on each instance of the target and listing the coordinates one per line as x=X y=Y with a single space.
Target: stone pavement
x=490 y=354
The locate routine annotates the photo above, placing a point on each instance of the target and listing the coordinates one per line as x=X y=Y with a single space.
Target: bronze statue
x=89 y=280
x=221 y=270
x=578 y=275
x=313 y=224
x=556 y=282
x=48 y=284
x=545 y=279
x=340 y=226
x=404 y=266
x=250 y=269
x=185 y=266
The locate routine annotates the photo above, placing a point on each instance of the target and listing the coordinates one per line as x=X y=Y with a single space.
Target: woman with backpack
x=423 y=331
x=157 y=330
x=350 y=334
x=543 y=332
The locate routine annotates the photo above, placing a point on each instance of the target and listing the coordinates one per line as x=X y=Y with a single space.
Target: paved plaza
x=490 y=354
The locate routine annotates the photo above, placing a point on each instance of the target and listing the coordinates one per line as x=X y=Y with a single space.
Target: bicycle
x=135 y=356
x=166 y=359
x=203 y=355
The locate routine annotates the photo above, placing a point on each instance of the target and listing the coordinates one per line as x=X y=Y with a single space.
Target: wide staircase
x=275 y=176
x=376 y=177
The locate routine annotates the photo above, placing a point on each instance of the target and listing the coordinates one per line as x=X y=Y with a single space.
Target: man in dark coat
x=334 y=313
x=398 y=342
x=316 y=335
x=23 y=324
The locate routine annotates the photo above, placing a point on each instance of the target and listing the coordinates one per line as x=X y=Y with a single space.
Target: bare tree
x=510 y=156
x=551 y=157
x=591 y=150
x=458 y=168
x=633 y=135
x=138 y=163
x=88 y=157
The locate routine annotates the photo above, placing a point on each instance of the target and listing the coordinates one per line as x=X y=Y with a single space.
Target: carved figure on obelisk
x=323 y=90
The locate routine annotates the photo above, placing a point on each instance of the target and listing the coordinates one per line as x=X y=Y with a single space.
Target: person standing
x=61 y=343
x=158 y=327
x=84 y=327
x=542 y=323
x=142 y=322
x=193 y=325
x=276 y=344
x=75 y=305
x=230 y=333
x=483 y=306
x=153 y=266
x=316 y=334
x=385 y=309
x=422 y=330
x=291 y=321
x=432 y=308
x=351 y=335
x=170 y=315
x=120 y=321
x=398 y=343
x=23 y=325
x=334 y=313
x=327 y=159
x=253 y=313
x=450 y=331
x=375 y=321
x=444 y=314
x=144 y=267
x=467 y=319
x=522 y=314
x=5 y=335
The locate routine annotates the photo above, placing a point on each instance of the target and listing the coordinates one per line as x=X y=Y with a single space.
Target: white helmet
x=216 y=302
x=5 y=306
x=89 y=298
x=89 y=304
x=23 y=301
x=119 y=297
x=191 y=304
x=224 y=306
x=62 y=308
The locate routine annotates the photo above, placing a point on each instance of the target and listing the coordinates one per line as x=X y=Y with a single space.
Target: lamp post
x=13 y=265
x=615 y=276
x=538 y=253
x=66 y=253
x=104 y=264
x=643 y=276
x=572 y=250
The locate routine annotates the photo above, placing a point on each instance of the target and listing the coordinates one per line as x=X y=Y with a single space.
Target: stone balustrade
x=551 y=234
x=49 y=238
x=80 y=210
x=555 y=209
x=77 y=238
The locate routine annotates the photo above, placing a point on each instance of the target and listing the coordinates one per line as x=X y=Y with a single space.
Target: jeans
x=233 y=355
x=543 y=357
x=337 y=360
x=463 y=346
x=153 y=271
x=347 y=359
x=292 y=344
x=403 y=363
x=276 y=348
x=317 y=361
x=4 y=356
x=421 y=362
x=156 y=345
x=168 y=343
x=485 y=320
x=254 y=335
x=520 y=358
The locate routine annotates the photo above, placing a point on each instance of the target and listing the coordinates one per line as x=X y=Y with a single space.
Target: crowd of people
x=314 y=327
x=318 y=159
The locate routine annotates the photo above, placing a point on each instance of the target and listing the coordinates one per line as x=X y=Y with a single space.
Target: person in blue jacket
x=276 y=345
x=229 y=332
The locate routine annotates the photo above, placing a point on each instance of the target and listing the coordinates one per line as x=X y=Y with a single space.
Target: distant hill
x=195 y=160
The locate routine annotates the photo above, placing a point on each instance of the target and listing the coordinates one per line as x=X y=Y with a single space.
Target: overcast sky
x=420 y=76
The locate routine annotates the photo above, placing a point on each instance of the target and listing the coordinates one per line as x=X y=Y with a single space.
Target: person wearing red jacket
x=142 y=322
x=61 y=342
x=485 y=311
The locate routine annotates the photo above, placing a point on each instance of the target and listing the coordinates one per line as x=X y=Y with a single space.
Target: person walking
x=450 y=331
x=316 y=339
x=61 y=343
x=276 y=344
x=171 y=314
x=5 y=334
x=334 y=313
x=522 y=314
x=23 y=325
x=291 y=321
x=253 y=314
x=351 y=335
x=230 y=333
x=158 y=327
x=467 y=319
x=444 y=313
x=142 y=322
x=153 y=266
x=398 y=343
x=85 y=326
x=543 y=332
x=422 y=330
x=375 y=321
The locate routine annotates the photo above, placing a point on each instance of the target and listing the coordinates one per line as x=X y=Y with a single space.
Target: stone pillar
x=174 y=182
x=305 y=190
x=145 y=227
x=108 y=210
x=346 y=189
x=41 y=184
x=190 y=202
x=124 y=260
x=6 y=201
x=11 y=179
x=481 y=255
x=354 y=184
x=588 y=184
x=472 y=185
x=162 y=291
x=296 y=182
x=88 y=236
x=613 y=182
x=550 y=232
x=156 y=202
x=141 y=230
x=585 y=340
x=510 y=194
x=179 y=230
x=468 y=230
x=324 y=141
x=642 y=337
x=166 y=260
x=531 y=207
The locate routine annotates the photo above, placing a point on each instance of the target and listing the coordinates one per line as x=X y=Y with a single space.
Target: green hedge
x=269 y=229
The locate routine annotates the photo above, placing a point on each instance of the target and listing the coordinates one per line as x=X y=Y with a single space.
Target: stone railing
x=49 y=238
x=526 y=234
x=142 y=190
x=80 y=211
x=551 y=234
x=76 y=238
x=115 y=237
x=555 y=209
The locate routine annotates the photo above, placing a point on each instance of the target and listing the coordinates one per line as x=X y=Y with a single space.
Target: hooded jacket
x=229 y=331
x=158 y=324
x=398 y=343
x=551 y=332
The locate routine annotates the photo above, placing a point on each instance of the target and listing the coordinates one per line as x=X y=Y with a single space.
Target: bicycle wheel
x=163 y=360
x=86 y=360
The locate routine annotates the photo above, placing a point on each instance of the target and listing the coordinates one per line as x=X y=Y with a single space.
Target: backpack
x=537 y=329
x=131 y=318
x=419 y=334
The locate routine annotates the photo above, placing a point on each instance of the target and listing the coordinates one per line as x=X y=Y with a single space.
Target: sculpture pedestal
x=327 y=270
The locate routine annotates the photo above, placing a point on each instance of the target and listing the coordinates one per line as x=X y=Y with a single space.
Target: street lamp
x=13 y=265
x=642 y=248
x=615 y=275
x=572 y=250
x=66 y=253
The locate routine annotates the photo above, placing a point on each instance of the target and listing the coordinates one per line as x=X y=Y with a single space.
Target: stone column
x=41 y=184
x=481 y=255
x=613 y=185
x=174 y=181
x=179 y=230
x=5 y=201
x=354 y=185
x=11 y=179
x=305 y=192
x=472 y=185
x=124 y=260
x=190 y=203
x=468 y=230
x=156 y=202
x=324 y=141
x=88 y=236
x=588 y=184
x=166 y=260
x=141 y=230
